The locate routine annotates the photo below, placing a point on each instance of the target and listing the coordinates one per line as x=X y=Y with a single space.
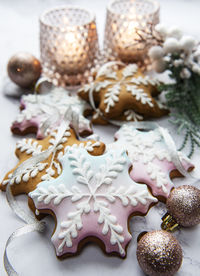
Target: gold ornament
x=24 y=69
x=159 y=253
x=183 y=208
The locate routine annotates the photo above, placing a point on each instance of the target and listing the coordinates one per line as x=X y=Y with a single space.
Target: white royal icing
x=132 y=115
x=145 y=147
x=33 y=148
x=44 y=106
x=114 y=85
x=90 y=186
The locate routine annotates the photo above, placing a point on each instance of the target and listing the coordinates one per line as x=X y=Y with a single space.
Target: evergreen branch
x=191 y=131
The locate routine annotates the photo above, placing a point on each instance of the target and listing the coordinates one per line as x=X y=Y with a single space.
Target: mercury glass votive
x=68 y=44
x=129 y=25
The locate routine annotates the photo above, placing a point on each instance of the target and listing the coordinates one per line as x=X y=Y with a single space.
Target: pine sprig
x=179 y=55
x=191 y=132
x=183 y=98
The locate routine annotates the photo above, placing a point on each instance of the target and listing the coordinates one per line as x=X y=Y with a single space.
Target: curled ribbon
x=55 y=117
x=32 y=224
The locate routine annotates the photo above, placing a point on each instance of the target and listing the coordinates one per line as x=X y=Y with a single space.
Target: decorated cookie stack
x=92 y=189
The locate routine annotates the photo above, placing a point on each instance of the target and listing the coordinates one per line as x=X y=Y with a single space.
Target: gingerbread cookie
x=93 y=198
x=124 y=94
x=27 y=180
x=150 y=158
x=36 y=109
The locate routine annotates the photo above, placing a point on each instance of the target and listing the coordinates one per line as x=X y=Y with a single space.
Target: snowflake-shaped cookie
x=150 y=157
x=124 y=94
x=36 y=109
x=27 y=179
x=93 y=197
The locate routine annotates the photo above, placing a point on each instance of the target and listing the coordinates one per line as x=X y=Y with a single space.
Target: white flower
x=185 y=74
x=161 y=29
x=174 y=32
x=171 y=45
x=178 y=62
x=156 y=52
x=159 y=65
x=196 y=68
x=187 y=43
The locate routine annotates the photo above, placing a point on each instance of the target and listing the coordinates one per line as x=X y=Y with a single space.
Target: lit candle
x=127 y=25
x=68 y=43
x=71 y=55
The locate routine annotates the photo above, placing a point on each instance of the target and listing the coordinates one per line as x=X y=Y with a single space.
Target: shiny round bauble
x=24 y=69
x=159 y=253
x=183 y=204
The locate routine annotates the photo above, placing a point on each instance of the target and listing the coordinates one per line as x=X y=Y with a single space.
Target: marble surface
x=34 y=254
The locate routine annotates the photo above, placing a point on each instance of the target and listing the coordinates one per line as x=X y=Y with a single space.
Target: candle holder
x=68 y=44
x=129 y=28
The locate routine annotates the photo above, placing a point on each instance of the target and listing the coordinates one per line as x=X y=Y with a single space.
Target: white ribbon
x=55 y=117
x=32 y=224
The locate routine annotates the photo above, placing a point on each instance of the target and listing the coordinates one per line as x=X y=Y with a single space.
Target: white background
x=34 y=254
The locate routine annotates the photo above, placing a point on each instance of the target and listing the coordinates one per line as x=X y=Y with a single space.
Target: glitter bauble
x=159 y=253
x=183 y=204
x=24 y=69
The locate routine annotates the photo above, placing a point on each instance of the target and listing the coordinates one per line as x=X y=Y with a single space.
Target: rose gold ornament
x=183 y=208
x=24 y=69
x=159 y=253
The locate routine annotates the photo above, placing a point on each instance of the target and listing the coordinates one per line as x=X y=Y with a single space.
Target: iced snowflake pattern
x=93 y=196
x=51 y=166
x=128 y=80
x=38 y=108
x=149 y=154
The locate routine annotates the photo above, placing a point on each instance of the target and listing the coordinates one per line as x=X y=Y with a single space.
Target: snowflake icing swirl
x=149 y=153
x=92 y=189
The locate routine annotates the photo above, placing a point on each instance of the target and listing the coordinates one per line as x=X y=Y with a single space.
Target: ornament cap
x=169 y=223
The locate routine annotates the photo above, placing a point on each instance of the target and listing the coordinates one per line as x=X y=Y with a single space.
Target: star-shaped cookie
x=36 y=109
x=27 y=180
x=150 y=158
x=93 y=198
x=124 y=94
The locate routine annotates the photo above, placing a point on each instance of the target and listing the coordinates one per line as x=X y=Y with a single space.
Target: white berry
x=161 y=29
x=187 y=43
x=171 y=45
x=185 y=73
x=156 y=52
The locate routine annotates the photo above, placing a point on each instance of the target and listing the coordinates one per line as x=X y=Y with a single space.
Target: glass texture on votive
x=68 y=44
x=129 y=25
